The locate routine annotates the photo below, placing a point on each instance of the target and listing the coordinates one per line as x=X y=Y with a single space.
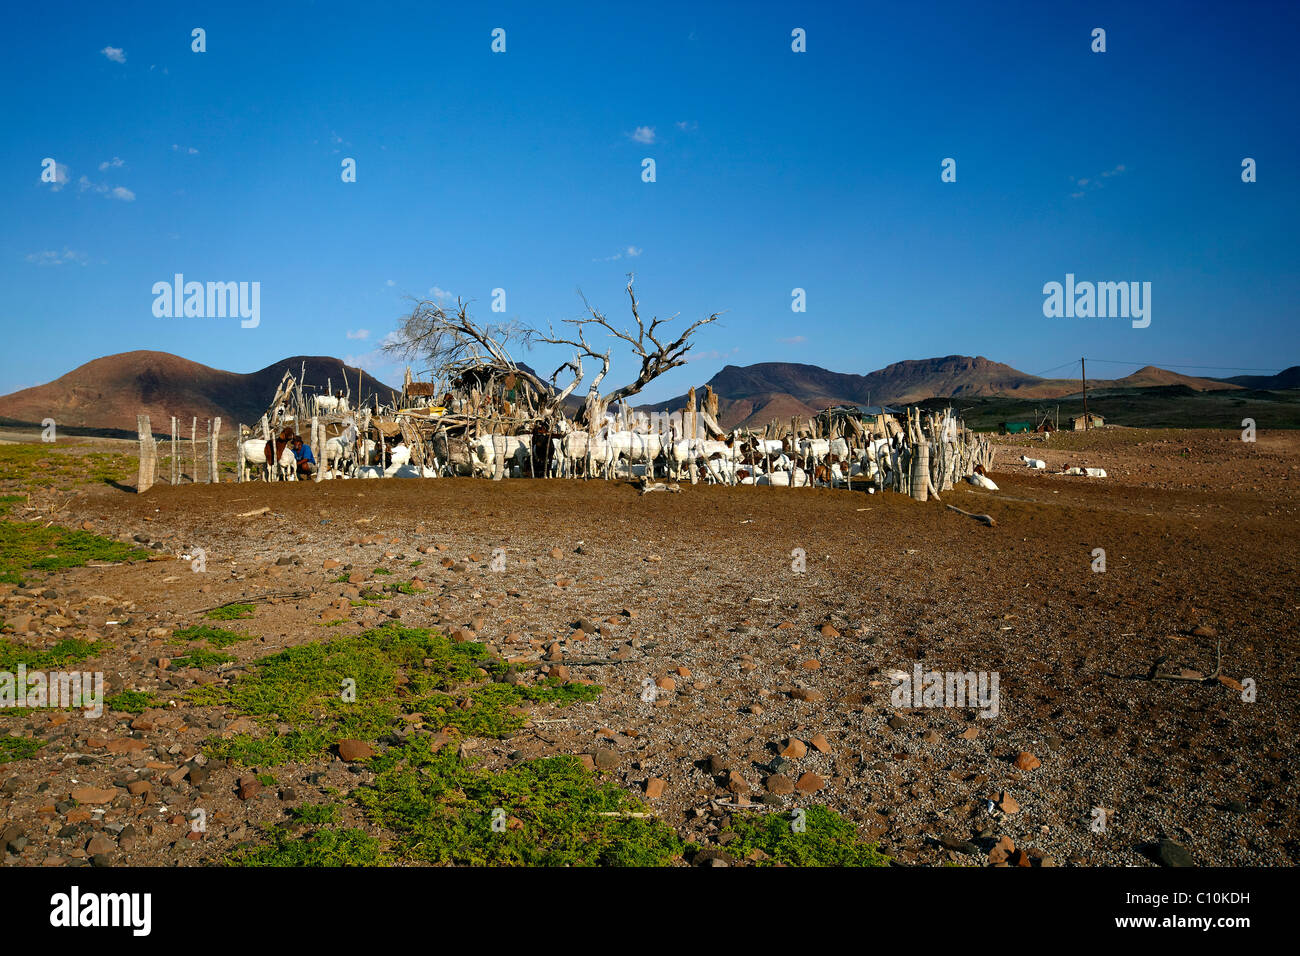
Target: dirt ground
x=1199 y=531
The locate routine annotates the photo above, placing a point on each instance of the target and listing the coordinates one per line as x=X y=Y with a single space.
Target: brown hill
x=757 y=394
x=1285 y=379
x=107 y=393
x=1152 y=377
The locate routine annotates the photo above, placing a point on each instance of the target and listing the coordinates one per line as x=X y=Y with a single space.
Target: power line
x=1062 y=365
x=1217 y=368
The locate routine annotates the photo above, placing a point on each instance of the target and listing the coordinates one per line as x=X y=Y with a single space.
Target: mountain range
x=105 y=395
x=757 y=394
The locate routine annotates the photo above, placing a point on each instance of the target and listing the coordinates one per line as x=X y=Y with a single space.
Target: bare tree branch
x=453 y=343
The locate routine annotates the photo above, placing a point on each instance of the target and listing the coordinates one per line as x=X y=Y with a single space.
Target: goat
x=484 y=452
x=331 y=403
x=981 y=480
x=1036 y=463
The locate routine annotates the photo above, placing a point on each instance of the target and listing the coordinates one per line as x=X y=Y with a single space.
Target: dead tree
x=657 y=357
x=452 y=343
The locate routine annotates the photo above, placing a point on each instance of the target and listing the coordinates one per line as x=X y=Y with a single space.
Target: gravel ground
x=698 y=592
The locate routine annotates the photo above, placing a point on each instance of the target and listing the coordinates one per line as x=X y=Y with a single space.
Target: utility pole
x=1083 y=372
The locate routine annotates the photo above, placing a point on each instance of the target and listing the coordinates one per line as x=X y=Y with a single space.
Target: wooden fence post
x=214 y=445
x=148 y=455
x=316 y=445
x=920 y=470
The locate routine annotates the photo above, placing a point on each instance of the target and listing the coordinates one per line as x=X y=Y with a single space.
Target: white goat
x=1036 y=463
x=331 y=403
x=252 y=451
x=484 y=451
x=797 y=478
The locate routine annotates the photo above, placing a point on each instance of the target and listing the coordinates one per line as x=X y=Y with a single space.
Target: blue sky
x=775 y=170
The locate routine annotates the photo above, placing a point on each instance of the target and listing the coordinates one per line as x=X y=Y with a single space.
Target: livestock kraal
x=919 y=454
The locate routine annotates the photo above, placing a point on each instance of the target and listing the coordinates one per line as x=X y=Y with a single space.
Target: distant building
x=1092 y=421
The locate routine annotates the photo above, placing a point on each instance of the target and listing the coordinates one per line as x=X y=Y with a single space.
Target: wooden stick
x=148 y=455
x=983 y=519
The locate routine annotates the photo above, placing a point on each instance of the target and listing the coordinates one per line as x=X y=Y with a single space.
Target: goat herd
x=739 y=459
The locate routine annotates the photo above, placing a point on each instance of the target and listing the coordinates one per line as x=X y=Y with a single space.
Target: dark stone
x=1169 y=853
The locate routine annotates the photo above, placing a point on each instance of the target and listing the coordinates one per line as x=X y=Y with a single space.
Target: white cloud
x=688 y=126
x=187 y=150
x=793 y=340
x=377 y=362
x=643 y=134
x=390 y=283
x=631 y=252
x=114 y=53
x=359 y=334
x=112 y=192
x=113 y=163
x=1087 y=183
x=713 y=354
x=442 y=295
x=49 y=257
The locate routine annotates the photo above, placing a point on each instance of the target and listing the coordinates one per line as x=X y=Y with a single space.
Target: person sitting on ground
x=306 y=460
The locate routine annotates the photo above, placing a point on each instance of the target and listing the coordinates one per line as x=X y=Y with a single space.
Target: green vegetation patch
x=387 y=672
x=439 y=808
x=547 y=812
x=231 y=612
x=827 y=839
x=201 y=658
x=317 y=814
x=27 y=546
x=349 y=847
x=18 y=748
x=132 y=701
x=70 y=650
x=216 y=636
x=46 y=466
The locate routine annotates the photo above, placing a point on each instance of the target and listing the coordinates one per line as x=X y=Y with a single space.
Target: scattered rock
x=809 y=783
x=1169 y=853
x=94 y=795
x=794 y=749
x=352 y=750
x=779 y=783
x=1027 y=761
x=1002 y=850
